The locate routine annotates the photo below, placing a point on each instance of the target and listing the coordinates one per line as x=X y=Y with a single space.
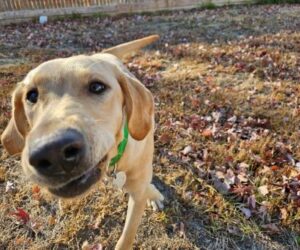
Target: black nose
x=57 y=154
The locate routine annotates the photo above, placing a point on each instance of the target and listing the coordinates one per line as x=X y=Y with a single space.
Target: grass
x=209 y=5
x=225 y=82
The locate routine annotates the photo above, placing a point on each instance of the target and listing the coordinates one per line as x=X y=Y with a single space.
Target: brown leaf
x=283 y=213
x=51 y=220
x=2 y=175
x=36 y=189
x=274 y=168
x=195 y=102
x=241 y=190
x=207 y=133
x=165 y=138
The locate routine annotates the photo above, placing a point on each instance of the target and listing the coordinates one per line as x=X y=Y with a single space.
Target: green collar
x=121 y=147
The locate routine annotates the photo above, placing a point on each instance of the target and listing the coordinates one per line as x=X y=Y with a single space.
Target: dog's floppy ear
x=13 y=136
x=139 y=104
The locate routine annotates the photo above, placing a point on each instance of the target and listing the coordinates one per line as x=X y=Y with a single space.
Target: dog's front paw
x=157 y=205
x=156 y=198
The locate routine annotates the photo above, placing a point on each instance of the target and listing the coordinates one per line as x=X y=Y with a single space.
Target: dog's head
x=68 y=115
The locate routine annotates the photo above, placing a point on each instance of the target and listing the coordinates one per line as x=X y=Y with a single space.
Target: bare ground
x=226 y=87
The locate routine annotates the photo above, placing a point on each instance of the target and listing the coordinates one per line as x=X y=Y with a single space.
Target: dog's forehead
x=76 y=66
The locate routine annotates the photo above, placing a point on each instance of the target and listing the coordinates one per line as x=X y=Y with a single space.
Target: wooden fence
x=15 y=10
x=13 y=5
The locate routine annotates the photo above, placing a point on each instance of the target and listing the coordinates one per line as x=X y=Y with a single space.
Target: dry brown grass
x=209 y=67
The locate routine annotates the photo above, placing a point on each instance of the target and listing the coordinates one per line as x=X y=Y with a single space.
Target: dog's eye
x=32 y=96
x=97 y=87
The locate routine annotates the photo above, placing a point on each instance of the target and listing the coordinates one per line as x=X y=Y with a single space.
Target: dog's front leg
x=136 y=206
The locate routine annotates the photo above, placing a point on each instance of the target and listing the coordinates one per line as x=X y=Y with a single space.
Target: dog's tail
x=125 y=48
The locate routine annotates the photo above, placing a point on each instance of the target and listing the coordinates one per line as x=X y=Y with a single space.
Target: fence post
x=31 y=4
x=13 y=5
x=5 y=6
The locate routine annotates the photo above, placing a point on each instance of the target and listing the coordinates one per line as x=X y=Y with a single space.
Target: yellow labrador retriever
x=76 y=118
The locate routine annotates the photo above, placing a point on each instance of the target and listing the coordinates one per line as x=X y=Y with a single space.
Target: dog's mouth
x=81 y=184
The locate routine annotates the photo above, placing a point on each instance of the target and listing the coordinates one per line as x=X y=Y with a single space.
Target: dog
x=77 y=119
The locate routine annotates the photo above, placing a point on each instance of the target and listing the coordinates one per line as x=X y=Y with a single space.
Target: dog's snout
x=58 y=154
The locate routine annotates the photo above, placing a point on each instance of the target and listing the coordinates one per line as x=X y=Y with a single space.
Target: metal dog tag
x=119 y=179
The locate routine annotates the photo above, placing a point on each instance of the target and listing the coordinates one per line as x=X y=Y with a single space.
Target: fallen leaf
x=195 y=102
x=22 y=215
x=21 y=241
x=263 y=190
x=241 y=190
x=246 y=212
x=232 y=119
x=251 y=201
x=216 y=115
x=283 y=214
x=36 y=189
x=87 y=246
x=51 y=220
x=187 y=150
x=9 y=186
x=241 y=178
x=243 y=165
x=207 y=133
x=230 y=177
x=274 y=168
x=222 y=187
x=165 y=138
x=2 y=175
x=97 y=222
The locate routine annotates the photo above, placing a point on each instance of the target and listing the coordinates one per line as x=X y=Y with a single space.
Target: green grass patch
x=207 y=5
x=75 y=16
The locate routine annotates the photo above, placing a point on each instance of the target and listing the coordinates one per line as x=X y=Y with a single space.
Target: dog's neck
x=121 y=146
x=113 y=164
